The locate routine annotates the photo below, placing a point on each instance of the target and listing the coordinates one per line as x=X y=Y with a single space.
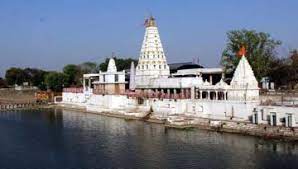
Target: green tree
x=260 y=51
x=284 y=71
x=73 y=74
x=104 y=65
x=35 y=77
x=3 y=83
x=55 y=81
x=294 y=58
x=280 y=72
x=294 y=68
x=15 y=76
x=121 y=64
x=88 y=67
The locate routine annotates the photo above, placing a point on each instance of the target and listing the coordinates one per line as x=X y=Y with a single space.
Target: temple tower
x=244 y=85
x=112 y=66
x=152 y=61
x=132 y=82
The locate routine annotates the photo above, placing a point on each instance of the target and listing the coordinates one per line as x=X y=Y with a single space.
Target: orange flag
x=241 y=52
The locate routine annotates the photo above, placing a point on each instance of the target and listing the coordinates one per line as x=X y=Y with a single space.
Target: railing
x=279 y=93
x=287 y=98
x=158 y=95
x=73 y=90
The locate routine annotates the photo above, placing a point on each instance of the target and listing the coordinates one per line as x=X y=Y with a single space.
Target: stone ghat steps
x=244 y=128
x=19 y=106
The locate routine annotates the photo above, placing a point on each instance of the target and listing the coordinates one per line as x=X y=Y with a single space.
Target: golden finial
x=150 y=22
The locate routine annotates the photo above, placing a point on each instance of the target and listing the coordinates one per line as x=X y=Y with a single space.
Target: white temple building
x=152 y=75
x=153 y=89
x=109 y=82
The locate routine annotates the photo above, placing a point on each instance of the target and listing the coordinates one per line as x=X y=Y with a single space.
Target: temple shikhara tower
x=244 y=85
x=152 y=61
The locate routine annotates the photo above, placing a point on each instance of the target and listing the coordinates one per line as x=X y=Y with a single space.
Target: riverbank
x=187 y=122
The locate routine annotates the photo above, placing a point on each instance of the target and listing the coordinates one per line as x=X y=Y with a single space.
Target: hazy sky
x=50 y=33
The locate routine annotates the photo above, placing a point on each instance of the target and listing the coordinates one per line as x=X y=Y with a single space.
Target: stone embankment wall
x=239 y=127
x=11 y=99
x=11 y=95
x=266 y=131
x=162 y=107
x=287 y=99
x=186 y=113
x=20 y=106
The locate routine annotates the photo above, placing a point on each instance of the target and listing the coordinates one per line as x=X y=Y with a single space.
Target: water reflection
x=55 y=138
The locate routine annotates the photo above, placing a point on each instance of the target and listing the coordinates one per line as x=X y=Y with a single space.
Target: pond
x=56 y=138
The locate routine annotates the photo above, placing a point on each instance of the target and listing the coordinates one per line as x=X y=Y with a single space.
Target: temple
x=153 y=76
x=192 y=92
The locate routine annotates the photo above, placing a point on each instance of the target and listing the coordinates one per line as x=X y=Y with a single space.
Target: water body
x=68 y=139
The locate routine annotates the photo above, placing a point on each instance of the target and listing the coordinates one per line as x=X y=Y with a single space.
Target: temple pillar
x=192 y=92
x=208 y=94
x=201 y=94
x=84 y=84
x=196 y=93
x=210 y=79
x=216 y=95
x=89 y=83
x=155 y=94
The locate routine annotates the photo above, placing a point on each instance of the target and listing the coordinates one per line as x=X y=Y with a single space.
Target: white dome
x=206 y=83
x=221 y=83
x=112 y=66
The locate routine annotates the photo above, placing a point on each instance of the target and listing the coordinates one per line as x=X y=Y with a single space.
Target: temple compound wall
x=163 y=108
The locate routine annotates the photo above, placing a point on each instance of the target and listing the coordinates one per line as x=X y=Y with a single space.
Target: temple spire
x=150 y=22
x=112 y=66
x=152 y=60
x=132 y=83
x=244 y=76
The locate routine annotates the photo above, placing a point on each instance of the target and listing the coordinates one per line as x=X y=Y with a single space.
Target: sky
x=48 y=34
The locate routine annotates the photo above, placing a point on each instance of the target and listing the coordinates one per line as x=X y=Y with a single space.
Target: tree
x=15 y=76
x=73 y=74
x=294 y=67
x=35 y=77
x=279 y=72
x=260 y=51
x=294 y=58
x=88 y=67
x=121 y=64
x=284 y=71
x=55 y=81
x=3 y=83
